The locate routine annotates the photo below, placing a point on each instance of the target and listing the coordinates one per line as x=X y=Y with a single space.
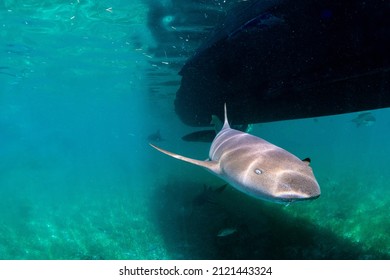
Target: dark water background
x=78 y=179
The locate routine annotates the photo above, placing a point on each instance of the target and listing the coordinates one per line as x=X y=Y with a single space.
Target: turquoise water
x=78 y=179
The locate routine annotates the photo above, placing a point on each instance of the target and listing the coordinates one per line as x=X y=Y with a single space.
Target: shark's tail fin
x=226 y=122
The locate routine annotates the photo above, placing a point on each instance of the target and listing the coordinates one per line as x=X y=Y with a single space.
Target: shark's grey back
x=235 y=140
x=260 y=168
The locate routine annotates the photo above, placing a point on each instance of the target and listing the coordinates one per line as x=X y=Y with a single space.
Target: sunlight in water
x=83 y=86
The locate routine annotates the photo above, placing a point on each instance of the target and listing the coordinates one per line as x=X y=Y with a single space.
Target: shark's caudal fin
x=213 y=166
x=226 y=122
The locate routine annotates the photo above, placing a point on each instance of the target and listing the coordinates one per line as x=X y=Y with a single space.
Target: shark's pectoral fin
x=213 y=166
x=307 y=161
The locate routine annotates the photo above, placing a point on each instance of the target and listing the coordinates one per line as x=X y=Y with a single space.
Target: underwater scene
x=86 y=86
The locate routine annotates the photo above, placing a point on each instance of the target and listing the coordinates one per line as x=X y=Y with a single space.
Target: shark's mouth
x=290 y=199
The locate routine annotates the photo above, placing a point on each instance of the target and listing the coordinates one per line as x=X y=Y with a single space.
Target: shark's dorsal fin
x=226 y=122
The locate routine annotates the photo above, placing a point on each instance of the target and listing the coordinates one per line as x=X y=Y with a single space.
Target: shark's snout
x=294 y=187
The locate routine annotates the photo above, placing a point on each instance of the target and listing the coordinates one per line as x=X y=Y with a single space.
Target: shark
x=257 y=167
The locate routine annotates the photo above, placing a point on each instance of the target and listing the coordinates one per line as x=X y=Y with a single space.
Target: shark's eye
x=258 y=171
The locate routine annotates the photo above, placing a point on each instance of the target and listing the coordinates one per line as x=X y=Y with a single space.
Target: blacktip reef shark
x=257 y=167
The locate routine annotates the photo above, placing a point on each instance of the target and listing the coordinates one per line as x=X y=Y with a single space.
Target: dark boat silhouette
x=279 y=60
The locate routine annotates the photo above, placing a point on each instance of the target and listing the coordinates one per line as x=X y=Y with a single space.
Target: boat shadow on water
x=235 y=226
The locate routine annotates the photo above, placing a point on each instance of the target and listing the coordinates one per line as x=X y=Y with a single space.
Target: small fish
x=155 y=137
x=364 y=119
x=226 y=232
x=205 y=136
